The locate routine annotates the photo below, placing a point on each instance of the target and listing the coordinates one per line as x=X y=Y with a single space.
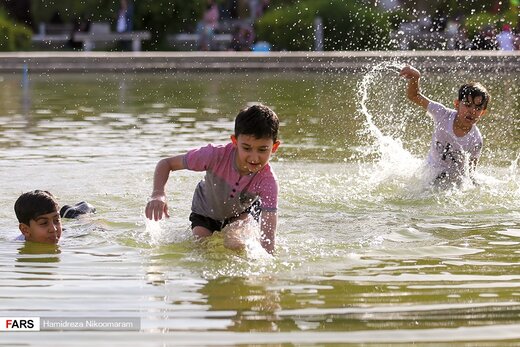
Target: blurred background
x=260 y=25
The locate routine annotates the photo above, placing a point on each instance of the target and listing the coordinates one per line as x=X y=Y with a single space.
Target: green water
x=367 y=253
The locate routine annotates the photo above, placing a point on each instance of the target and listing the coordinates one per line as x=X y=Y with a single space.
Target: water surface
x=367 y=252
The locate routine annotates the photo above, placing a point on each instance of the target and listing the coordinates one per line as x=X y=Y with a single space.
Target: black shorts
x=212 y=225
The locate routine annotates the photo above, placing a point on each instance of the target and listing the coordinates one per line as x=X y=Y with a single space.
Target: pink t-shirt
x=224 y=193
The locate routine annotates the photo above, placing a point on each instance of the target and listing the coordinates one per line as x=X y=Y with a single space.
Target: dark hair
x=33 y=204
x=474 y=89
x=259 y=121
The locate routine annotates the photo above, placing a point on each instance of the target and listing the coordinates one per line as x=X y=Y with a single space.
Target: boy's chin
x=255 y=169
x=47 y=241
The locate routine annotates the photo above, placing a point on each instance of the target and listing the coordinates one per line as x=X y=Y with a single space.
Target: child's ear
x=24 y=228
x=275 y=146
x=456 y=103
x=233 y=139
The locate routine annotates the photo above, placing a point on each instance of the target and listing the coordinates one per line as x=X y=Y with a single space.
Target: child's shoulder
x=211 y=155
x=20 y=237
x=435 y=107
x=211 y=149
x=268 y=173
x=217 y=147
x=436 y=104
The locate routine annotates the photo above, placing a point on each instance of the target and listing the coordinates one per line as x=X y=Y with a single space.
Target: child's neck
x=459 y=129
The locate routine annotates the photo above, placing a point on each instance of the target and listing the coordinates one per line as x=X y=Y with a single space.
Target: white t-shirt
x=448 y=152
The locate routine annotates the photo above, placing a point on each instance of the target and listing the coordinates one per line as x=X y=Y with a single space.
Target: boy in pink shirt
x=239 y=180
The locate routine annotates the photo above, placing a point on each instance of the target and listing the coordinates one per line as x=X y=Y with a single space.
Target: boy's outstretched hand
x=410 y=72
x=156 y=208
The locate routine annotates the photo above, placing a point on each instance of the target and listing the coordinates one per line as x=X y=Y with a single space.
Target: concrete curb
x=249 y=61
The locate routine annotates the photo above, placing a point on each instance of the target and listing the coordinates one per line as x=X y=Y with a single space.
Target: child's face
x=44 y=229
x=253 y=153
x=470 y=110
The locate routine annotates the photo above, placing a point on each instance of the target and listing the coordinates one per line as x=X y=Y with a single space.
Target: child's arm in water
x=157 y=206
x=268 y=230
x=472 y=168
x=413 y=92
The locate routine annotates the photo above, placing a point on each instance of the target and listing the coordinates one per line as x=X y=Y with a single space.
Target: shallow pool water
x=367 y=252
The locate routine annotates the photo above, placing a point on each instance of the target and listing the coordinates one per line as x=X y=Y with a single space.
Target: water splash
x=513 y=168
x=368 y=80
x=158 y=233
x=244 y=235
x=155 y=231
x=393 y=157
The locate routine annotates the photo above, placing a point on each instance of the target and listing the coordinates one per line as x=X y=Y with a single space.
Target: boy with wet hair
x=239 y=181
x=38 y=215
x=456 y=141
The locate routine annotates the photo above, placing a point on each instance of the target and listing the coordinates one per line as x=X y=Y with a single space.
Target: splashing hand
x=157 y=207
x=240 y=233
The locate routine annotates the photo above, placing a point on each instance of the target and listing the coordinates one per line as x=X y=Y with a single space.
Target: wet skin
x=44 y=229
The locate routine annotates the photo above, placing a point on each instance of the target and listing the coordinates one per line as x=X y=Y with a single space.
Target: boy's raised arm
x=157 y=205
x=413 y=91
x=268 y=229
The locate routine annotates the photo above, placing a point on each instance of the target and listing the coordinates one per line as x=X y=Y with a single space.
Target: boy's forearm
x=268 y=229
x=157 y=206
x=267 y=242
x=473 y=167
x=413 y=92
x=412 y=88
x=162 y=173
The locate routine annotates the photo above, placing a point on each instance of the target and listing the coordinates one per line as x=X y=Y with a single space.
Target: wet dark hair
x=33 y=204
x=474 y=89
x=259 y=121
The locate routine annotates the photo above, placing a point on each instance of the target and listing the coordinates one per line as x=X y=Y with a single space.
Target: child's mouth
x=254 y=166
x=54 y=239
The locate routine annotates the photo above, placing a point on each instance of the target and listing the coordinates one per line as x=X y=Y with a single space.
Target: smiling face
x=45 y=228
x=469 y=111
x=252 y=153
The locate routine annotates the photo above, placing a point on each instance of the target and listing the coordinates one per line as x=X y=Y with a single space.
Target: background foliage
x=288 y=24
x=346 y=25
x=13 y=36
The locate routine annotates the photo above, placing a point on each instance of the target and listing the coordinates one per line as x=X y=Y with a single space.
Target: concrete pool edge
x=250 y=61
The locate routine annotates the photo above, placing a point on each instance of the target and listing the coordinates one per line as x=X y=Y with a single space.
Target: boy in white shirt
x=456 y=141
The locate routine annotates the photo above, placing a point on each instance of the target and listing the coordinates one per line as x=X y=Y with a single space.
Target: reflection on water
x=367 y=252
x=32 y=252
